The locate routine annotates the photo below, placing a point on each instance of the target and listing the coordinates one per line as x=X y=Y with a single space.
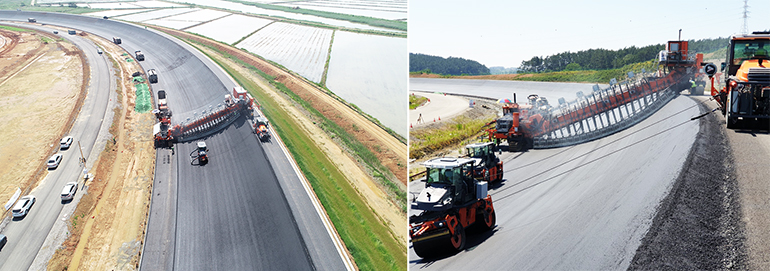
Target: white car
x=54 y=161
x=69 y=191
x=22 y=206
x=66 y=142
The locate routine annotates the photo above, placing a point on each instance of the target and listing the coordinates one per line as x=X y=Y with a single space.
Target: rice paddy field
x=189 y=19
x=299 y=48
x=231 y=28
x=155 y=14
x=370 y=72
x=391 y=10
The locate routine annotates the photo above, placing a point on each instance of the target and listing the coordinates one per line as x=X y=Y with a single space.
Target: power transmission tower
x=745 y=29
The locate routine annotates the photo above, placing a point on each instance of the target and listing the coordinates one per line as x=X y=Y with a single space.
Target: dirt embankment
x=480 y=77
x=107 y=228
x=41 y=90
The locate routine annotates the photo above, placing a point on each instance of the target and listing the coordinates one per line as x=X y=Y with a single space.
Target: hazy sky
x=503 y=33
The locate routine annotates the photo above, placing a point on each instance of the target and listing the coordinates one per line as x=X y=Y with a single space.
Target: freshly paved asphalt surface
x=26 y=235
x=583 y=207
x=439 y=108
x=244 y=210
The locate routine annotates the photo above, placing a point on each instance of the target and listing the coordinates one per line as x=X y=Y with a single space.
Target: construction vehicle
x=116 y=40
x=199 y=154
x=152 y=75
x=260 y=127
x=487 y=166
x=32 y=20
x=507 y=127
x=746 y=91
x=451 y=202
x=162 y=104
x=210 y=121
x=139 y=56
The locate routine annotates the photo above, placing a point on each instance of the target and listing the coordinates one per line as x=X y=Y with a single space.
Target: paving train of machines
x=487 y=166
x=451 y=202
x=537 y=125
x=209 y=121
x=746 y=91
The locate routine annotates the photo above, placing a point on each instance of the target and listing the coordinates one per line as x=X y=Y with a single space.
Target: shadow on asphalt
x=473 y=238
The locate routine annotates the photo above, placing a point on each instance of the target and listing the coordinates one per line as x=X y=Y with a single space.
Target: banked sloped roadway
x=246 y=209
x=584 y=207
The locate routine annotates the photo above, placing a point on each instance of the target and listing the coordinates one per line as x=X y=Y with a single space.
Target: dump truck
x=152 y=75
x=746 y=91
x=139 y=56
x=116 y=40
x=451 y=202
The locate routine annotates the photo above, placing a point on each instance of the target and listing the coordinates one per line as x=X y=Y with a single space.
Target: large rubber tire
x=487 y=221
x=729 y=120
x=457 y=240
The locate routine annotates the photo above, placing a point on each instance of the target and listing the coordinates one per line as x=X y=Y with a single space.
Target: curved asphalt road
x=246 y=209
x=584 y=207
x=26 y=235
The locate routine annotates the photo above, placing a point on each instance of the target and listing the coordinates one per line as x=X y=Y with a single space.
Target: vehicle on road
x=71 y=32
x=32 y=20
x=3 y=240
x=746 y=92
x=152 y=75
x=139 y=56
x=66 y=142
x=116 y=40
x=69 y=190
x=22 y=206
x=54 y=161
x=487 y=166
x=451 y=202
x=199 y=154
x=261 y=129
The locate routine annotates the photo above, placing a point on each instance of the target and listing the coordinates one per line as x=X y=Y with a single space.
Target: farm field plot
x=368 y=10
x=302 y=49
x=231 y=28
x=122 y=5
x=199 y=16
x=172 y=23
x=260 y=11
x=152 y=15
x=126 y=5
x=116 y=12
x=369 y=71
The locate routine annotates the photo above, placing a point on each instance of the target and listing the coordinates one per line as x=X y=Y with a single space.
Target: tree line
x=447 y=66
x=602 y=59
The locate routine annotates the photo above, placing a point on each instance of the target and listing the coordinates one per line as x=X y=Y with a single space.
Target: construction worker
x=761 y=52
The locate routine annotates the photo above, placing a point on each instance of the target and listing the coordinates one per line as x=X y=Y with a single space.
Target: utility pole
x=82 y=158
x=745 y=29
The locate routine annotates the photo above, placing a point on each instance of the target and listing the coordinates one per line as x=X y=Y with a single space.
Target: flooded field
x=116 y=12
x=155 y=14
x=389 y=10
x=371 y=72
x=299 y=48
x=269 y=12
x=231 y=28
x=121 y=5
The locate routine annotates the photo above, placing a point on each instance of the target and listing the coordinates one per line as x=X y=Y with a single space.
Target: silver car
x=66 y=142
x=22 y=206
x=54 y=161
x=69 y=190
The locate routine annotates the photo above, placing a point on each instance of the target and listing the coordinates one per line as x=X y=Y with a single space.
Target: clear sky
x=503 y=33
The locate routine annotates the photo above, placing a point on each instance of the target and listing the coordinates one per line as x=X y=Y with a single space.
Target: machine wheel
x=514 y=144
x=487 y=221
x=729 y=120
x=458 y=239
x=424 y=250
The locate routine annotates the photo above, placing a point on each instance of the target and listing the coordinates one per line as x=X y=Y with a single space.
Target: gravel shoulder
x=698 y=225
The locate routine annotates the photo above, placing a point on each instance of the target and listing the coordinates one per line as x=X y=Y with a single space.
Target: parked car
x=55 y=160
x=66 y=142
x=22 y=206
x=69 y=191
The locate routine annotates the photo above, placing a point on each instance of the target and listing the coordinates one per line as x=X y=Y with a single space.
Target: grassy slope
x=367 y=239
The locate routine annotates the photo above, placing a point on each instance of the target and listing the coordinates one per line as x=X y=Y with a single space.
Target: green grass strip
x=368 y=240
x=143 y=99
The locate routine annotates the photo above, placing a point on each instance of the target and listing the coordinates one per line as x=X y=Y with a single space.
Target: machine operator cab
x=747 y=51
x=448 y=183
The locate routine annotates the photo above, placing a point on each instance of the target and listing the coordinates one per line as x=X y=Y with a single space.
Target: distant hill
x=446 y=66
x=602 y=59
x=503 y=70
